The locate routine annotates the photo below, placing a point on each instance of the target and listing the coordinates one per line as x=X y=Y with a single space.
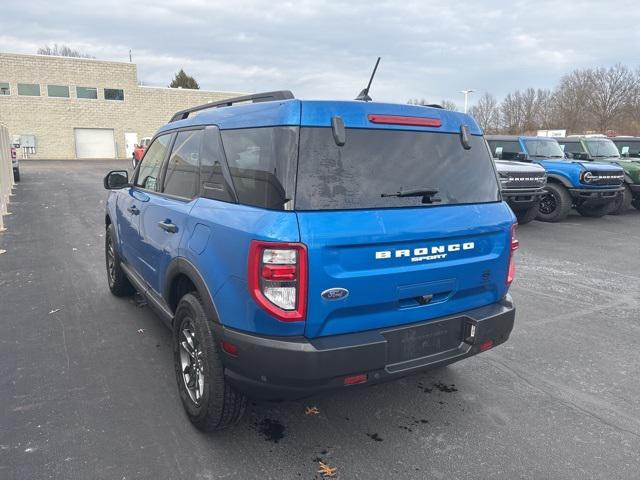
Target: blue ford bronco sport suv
x=592 y=188
x=300 y=246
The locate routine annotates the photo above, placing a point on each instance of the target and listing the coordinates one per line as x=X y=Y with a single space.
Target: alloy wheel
x=547 y=204
x=111 y=261
x=191 y=363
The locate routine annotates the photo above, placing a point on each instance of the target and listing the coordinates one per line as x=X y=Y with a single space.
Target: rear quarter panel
x=218 y=245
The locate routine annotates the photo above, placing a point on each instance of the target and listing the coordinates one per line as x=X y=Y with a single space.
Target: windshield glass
x=544 y=149
x=377 y=162
x=602 y=148
x=632 y=148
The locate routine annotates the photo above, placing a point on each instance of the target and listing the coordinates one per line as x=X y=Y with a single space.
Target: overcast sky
x=429 y=49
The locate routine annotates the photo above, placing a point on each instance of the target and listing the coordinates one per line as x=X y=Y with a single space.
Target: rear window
x=376 y=162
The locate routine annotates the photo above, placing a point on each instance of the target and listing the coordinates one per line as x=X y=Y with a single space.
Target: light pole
x=466 y=98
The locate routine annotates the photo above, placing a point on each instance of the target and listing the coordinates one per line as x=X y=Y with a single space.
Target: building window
x=29 y=89
x=113 y=94
x=87 y=92
x=4 y=88
x=61 y=91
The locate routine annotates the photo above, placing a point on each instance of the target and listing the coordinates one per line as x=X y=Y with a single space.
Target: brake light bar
x=402 y=120
x=277 y=278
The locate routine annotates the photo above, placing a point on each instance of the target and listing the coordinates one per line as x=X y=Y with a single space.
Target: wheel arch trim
x=555 y=178
x=182 y=266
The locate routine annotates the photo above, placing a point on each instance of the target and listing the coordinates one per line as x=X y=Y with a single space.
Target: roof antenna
x=364 y=94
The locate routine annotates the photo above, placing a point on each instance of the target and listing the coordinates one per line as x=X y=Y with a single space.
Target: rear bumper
x=593 y=195
x=276 y=368
x=522 y=199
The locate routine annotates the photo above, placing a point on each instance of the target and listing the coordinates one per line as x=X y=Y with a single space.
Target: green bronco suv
x=603 y=149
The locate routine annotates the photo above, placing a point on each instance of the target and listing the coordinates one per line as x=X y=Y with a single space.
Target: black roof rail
x=253 y=98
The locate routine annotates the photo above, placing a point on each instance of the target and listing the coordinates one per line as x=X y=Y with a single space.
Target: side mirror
x=522 y=157
x=116 y=179
x=581 y=156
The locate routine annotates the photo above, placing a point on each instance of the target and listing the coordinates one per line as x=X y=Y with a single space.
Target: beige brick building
x=84 y=108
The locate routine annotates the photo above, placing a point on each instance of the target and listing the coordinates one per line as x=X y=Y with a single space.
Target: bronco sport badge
x=422 y=254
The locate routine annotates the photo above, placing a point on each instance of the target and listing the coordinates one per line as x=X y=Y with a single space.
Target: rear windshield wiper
x=427 y=194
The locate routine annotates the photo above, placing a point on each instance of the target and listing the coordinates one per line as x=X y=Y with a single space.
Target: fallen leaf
x=54 y=311
x=326 y=470
x=311 y=411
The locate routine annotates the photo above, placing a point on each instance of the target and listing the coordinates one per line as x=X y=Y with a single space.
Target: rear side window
x=377 y=162
x=504 y=149
x=262 y=162
x=214 y=182
x=181 y=178
x=149 y=170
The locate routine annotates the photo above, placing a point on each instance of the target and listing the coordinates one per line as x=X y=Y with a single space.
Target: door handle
x=167 y=226
x=133 y=210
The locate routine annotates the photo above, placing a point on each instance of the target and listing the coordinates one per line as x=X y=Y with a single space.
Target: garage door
x=95 y=143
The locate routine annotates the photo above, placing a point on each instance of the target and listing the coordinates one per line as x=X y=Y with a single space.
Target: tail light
x=277 y=278
x=514 y=246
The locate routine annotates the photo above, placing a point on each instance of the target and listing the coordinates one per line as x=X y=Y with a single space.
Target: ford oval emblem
x=335 y=293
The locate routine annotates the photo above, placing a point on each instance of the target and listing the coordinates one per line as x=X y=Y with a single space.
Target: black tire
x=118 y=282
x=636 y=202
x=527 y=216
x=595 y=211
x=16 y=175
x=555 y=205
x=622 y=201
x=208 y=399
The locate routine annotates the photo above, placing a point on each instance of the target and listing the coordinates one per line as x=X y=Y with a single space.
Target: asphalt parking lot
x=88 y=390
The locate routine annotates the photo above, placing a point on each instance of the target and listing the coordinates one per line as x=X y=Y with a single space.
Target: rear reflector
x=486 y=345
x=355 y=379
x=230 y=348
x=400 y=120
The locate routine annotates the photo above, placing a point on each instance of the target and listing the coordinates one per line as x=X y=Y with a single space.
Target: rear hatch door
x=377 y=259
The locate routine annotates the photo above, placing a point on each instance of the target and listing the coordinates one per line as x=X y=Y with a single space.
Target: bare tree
x=448 y=105
x=487 y=113
x=511 y=113
x=571 y=99
x=62 y=51
x=611 y=89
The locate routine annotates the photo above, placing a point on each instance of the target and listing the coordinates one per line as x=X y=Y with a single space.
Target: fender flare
x=560 y=179
x=181 y=265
